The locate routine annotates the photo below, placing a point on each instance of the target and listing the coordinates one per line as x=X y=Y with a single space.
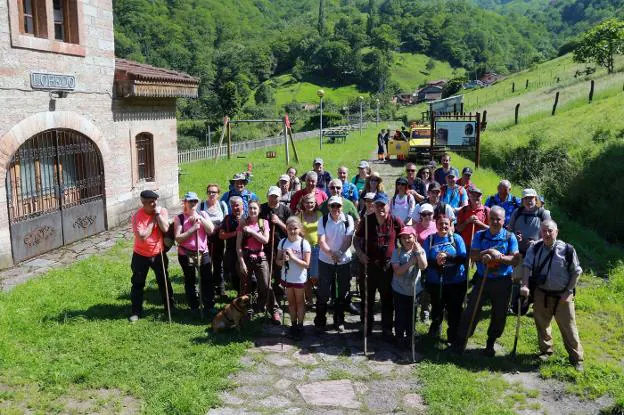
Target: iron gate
x=55 y=190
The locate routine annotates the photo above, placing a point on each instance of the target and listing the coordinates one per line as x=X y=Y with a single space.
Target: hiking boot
x=578 y=366
x=489 y=348
x=339 y=327
x=133 y=318
x=300 y=331
x=545 y=356
x=276 y=318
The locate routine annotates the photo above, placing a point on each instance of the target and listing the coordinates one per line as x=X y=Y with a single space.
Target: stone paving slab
x=338 y=393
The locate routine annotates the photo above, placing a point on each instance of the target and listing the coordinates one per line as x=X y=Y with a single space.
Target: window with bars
x=145 y=156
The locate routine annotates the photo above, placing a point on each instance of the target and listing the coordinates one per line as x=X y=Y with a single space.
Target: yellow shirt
x=310 y=229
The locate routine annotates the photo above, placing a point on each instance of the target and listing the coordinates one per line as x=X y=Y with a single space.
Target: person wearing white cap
x=369 y=204
x=191 y=229
x=359 y=180
x=284 y=184
x=526 y=220
x=335 y=232
x=276 y=214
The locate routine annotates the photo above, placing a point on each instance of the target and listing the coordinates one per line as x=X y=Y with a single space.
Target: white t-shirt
x=296 y=273
x=335 y=235
x=402 y=207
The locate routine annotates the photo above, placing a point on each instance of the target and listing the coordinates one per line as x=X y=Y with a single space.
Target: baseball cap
x=451 y=173
x=334 y=200
x=191 y=196
x=467 y=170
x=529 y=193
x=381 y=197
x=474 y=189
x=149 y=194
x=407 y=230
x=369 y=196
x=318 y=160
x=284 y=177
x=363 y=164
x=239 y=176
x=434 y=186
x=426 y=208
x=274 y=190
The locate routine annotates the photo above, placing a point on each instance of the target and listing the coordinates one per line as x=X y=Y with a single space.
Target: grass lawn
x=288 y=90
x=410 y=71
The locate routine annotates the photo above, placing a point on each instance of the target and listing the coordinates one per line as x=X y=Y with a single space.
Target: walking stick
x=168 y=305
x=365 y=297
x=474 y=312
x=413 y=322
x=201 y=297
x=469 y=267
x=513 y=352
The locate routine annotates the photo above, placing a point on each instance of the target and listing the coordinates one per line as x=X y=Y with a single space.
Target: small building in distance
x=81 y=132
x=430 y=92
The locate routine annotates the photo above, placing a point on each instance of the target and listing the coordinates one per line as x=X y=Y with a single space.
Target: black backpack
x=326 y=218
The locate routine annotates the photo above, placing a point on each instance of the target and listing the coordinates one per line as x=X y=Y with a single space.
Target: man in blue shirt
x=504 y=199
x=239 y=181
x=439 y=175
x=495 y=251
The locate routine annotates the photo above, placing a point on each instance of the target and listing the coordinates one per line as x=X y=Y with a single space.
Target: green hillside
x=410 y=71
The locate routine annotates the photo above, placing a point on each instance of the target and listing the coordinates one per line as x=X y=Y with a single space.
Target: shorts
x=293 y=284
x=313 y=271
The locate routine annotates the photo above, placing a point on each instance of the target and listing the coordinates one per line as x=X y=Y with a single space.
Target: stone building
x=81 y=132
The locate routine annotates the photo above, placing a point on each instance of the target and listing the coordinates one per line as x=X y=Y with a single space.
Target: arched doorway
x=55 y=191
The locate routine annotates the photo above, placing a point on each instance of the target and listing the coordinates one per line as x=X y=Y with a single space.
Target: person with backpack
x=452 y=194
x=286 y=190
x=554 y=267
x=495 y=250
x=359 y=180
x=466 y=180
x=407 y=261
x=445 y=279
x=382 y=233
x=473 y=217
x=293 y=258
x=227 y=233
x=191 y=229
x=504 y=199
x=433 y=199
x=238 y=185
x=335 y=233
x=348 y=208
x=276 y=214
x=216 y=210
x=439 y=175
x=525 y=222
x=149 y=223
x=253 y=266
x=402 y=204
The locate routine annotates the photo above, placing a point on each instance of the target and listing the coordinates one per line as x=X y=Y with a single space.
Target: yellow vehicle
x=397 y=146
x=419 y=142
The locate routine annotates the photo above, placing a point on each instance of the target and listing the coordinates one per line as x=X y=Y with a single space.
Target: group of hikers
x=416 y=249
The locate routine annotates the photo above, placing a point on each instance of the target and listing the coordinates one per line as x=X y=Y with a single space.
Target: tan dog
x=231 y=315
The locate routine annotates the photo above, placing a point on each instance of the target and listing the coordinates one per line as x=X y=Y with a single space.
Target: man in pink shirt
x=319 y=195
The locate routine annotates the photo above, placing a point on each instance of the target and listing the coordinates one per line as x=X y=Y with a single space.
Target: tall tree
x=321 y=18
x=601 y=43
x=372 y=17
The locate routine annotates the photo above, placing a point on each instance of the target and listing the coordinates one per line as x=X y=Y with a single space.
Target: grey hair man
x=552 y=268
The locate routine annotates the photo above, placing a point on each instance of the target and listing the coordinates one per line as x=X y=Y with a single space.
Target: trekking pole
x=338 y=302
x=474 y=312
x=413 y=322
x=469 y=267
x=198 y=272
x=168 y=305
x=365 y=296
x=513 y=352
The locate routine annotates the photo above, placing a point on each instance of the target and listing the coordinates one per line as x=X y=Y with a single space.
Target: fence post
x=591 y=91
x=555 y=104
x=516 y=115
x=526 y=86
x=513 y=87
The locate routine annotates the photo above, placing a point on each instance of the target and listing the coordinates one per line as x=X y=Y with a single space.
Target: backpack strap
x=181 y=220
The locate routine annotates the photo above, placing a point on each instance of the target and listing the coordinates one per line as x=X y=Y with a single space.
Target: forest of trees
x=235 y=46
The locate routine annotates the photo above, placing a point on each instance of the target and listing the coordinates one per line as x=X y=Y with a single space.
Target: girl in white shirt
x=403 y=203
x=293 y=255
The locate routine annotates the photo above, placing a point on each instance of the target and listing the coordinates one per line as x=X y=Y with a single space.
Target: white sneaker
x=133 y=318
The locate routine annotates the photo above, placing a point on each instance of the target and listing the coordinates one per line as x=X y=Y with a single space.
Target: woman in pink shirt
x=427 y=225
x=191 y=229
x=252 y=235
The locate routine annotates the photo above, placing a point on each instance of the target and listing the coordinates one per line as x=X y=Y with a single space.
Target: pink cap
x=407 y=230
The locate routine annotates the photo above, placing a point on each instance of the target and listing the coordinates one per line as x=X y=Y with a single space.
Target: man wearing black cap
x=465 y=180
x=383 y=231
x=149 y=224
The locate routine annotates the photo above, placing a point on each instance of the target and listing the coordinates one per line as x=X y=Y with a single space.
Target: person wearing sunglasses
x=415 y=185
x=335 y=189
x=374 y=184
x=335 y=233
x=191 y=229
